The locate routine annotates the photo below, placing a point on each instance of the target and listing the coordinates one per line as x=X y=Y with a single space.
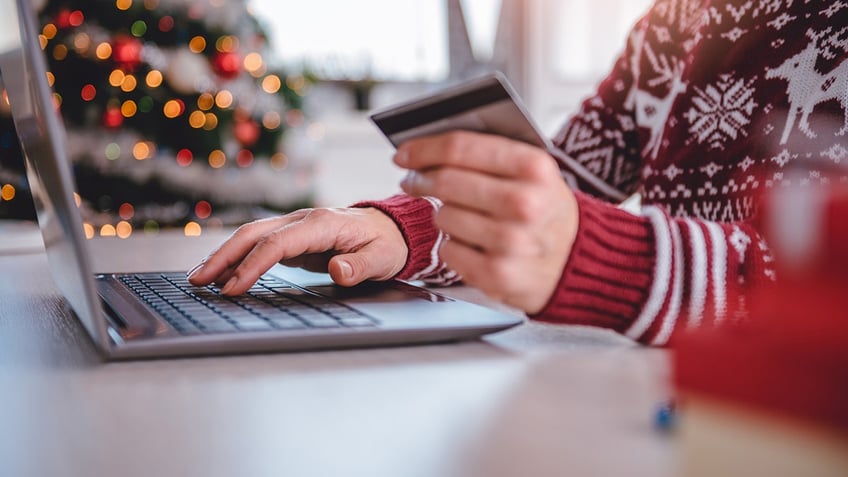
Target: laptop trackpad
x=385 y=292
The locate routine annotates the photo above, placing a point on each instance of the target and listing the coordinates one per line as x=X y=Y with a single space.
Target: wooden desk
x=535 y=400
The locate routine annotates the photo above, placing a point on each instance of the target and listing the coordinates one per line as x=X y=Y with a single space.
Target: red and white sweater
x=711 y=103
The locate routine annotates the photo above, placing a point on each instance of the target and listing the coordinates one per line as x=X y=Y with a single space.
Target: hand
x=353 y=245
x=510 y=217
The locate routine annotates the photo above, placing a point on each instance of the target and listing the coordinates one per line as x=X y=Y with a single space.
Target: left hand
x=510 y=216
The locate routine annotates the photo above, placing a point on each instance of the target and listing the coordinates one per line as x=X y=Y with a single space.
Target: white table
x=535 y=400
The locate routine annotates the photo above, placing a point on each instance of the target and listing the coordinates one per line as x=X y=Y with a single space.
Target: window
x=402 y=40
x=587 y=35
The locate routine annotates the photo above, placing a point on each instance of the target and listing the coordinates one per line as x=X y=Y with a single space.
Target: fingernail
x=401 y=157
x=191 y=273
x=417 y=181
x=347 y=270
x=407 y=179
x=228 y=287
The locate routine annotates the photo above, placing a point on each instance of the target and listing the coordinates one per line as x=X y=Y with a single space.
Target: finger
x=314 y=262
x=493 y=277
x=233 y=250
x=494 y=196
x=491 y=154
x=368 y=263
x=318 y=233
x=222 y=279
x=491 y=236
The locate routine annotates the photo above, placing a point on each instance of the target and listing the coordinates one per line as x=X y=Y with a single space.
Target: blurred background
x=204 y=114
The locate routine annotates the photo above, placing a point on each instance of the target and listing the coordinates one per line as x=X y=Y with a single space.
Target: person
x=708 y=105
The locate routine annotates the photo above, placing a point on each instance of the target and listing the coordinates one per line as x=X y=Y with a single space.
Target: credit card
x=487 y=104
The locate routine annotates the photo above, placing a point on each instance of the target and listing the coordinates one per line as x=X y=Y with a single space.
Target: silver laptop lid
x=42 y=136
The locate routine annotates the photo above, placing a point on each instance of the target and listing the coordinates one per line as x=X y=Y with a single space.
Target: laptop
x=148 y=315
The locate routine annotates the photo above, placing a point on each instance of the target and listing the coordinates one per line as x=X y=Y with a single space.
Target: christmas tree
x=175 y=115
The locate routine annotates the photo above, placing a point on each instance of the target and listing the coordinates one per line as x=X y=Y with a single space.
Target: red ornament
x=246 y=132
x=227 y=64
x=63 y=19
x=113 y=118
x=126 y=51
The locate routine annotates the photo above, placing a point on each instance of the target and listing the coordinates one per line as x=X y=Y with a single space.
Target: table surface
x=534 y=400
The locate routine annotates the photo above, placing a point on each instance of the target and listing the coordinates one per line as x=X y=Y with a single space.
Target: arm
x=648 y=276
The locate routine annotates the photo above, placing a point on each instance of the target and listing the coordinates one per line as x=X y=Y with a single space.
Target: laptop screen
x=42 y=135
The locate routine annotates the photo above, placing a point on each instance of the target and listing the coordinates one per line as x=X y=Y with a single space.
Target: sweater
x=711 y=104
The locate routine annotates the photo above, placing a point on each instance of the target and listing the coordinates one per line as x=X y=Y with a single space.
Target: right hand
x=352 y=245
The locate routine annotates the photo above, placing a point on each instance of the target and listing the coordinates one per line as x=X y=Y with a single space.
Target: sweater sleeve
x=414 y=217
x=648 y=276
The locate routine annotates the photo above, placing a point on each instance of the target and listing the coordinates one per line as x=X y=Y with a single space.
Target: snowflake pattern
x=782 y=159
x=722 y=111
x=735 y=34
x=834 y=8
x=672 y=171
x=746 y=163
x=711 y=169
x=781 y=21
x=837 y=153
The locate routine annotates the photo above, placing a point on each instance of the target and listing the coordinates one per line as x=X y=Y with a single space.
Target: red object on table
x=790 y=355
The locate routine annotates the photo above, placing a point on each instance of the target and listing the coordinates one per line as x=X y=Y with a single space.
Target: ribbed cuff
x=414 y=217
x=609 y=273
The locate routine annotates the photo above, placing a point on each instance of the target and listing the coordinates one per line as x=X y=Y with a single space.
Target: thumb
x=352 y=268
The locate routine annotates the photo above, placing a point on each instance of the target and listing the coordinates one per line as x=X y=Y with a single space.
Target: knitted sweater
x=709 y=105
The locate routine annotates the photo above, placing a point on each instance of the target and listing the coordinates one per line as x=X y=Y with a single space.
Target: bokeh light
x=138 y=28
x=206 y=101
x=142 y=150
x=217 y=159
x=279 y=161
x=7 y=192
x=271 y=84
x=244 y=158
x=123 y=229
x=197 y=44
x=76 y=18
x=271 y=120
x=103 y=51
x=60 y=52
x=151 y=227
x=224 y=99
x=211 y=122
x=126 y=211
x=113 y=151
x=173 y=108
x=203 y=209
x=49 y=31
x=116 y=77
x=129 y=108
x=184 y=157
x=108 y=230
x=192 y=229
x=197 y=119
x=154 y=78
x=129 y=84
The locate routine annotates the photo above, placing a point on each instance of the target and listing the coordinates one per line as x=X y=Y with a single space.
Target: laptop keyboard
x=271 y=304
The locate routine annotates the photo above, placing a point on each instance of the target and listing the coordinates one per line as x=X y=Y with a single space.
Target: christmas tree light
x=169 y=104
